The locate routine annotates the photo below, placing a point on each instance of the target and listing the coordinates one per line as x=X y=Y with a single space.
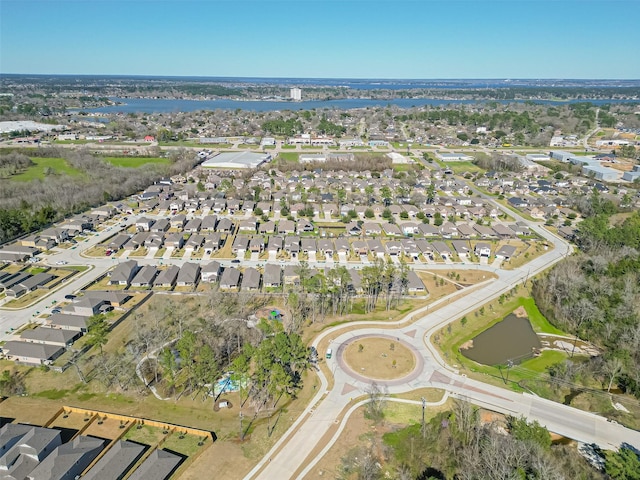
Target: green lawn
x=288 y=156
x=57 y=165
x=135 y=162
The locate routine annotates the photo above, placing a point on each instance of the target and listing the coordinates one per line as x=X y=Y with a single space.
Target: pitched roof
x=116 y=462
x=69 y=459
x=159 y=465
x=48 y=335
x=31 y=350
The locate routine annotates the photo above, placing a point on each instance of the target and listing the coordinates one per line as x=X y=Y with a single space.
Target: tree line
x=29 y=206
x=456 y=445
x=594 y=295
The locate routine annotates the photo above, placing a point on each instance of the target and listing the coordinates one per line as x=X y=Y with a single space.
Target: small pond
x=512 y=339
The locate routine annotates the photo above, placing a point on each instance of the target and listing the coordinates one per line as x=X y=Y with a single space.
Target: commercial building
x=296 y=94
x=237 y=160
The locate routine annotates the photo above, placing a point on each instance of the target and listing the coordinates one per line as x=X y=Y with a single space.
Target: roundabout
x=385 y=359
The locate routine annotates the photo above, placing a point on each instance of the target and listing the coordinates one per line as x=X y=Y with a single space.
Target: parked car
x=69 y=297
x=56 y=310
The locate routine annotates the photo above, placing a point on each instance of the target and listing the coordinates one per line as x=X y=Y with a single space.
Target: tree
x=623 y=464
x=533 y=432
x=97 y=330
x=437 y=219
x=368 y=213
x=374 y=409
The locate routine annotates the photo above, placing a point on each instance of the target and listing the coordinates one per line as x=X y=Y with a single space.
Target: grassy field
x=288 y=156
x=59 y=166
x=135 y=162
x=374 y=357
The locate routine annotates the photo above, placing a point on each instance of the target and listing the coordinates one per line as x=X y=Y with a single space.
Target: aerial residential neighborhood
x=322 y=240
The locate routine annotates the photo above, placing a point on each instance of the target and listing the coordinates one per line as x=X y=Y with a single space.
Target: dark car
x=235 y=261
x=69 y=297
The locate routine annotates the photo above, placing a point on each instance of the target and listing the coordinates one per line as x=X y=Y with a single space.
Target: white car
x=61 y=262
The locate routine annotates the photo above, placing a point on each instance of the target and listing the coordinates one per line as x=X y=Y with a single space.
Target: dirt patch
x=466 y=345
x=379 y=358
x=520 y=312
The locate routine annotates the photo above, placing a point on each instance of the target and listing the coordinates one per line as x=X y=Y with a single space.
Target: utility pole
x=424 y=406
x=241 y=432
x=509 y=365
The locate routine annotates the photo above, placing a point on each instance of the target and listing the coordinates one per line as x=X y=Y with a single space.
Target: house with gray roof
x=193 y=225
x=66 y=321
x=250 y=279
x=505 y=252
x=145 y=276
x=211 y=272
x=461 y=247
x=50 y=336
x=442 y=249
x=209 y=223
x=124 y=273
x=272 y=276
x=69 y=460
x=86 y=306
x=189 y=275
x=167 y=278
x=483 y=249
x=118 y=460
x=212 y=242
x=31 y=353
x=118 y=241
x=159 y=465
x=195 y=242
x=230 y=279
x=23 y=447
x=414 y=283
x=160 y=226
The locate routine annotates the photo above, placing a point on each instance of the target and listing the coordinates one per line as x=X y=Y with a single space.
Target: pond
x=512 y=339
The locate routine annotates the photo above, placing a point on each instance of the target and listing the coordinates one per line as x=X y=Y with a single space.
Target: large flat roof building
x=237 y=160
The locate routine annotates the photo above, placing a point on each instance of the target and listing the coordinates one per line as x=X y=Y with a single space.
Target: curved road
x=294 y=449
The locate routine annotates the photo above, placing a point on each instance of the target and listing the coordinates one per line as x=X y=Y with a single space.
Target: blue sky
x=323 y=38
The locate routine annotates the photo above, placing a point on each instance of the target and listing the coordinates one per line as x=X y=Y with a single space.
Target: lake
x=161 y=105
x=512 y=339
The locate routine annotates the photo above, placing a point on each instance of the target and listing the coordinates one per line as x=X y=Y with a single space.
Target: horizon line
x=501 y=79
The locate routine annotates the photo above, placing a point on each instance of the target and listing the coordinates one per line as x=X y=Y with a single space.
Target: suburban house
x=189 y=275
x=167 y=278
x=144 y=224
x=24 y=447
x=483 y=249
x=272 y=276
x=211 y=272
x=69 y=460
x=145 y=276
x=31 y=353
x=124 y=273
x=414 y=283
x=160 y=464
x=230 y=279
x=50 y=336
x=66 y=321
x=251 y=279
x=116 y=462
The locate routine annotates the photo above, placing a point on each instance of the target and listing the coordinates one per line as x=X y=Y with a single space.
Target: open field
x=58 y=166
x=135 y=162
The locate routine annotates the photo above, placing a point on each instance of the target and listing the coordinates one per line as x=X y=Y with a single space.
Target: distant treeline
x=29 y=206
